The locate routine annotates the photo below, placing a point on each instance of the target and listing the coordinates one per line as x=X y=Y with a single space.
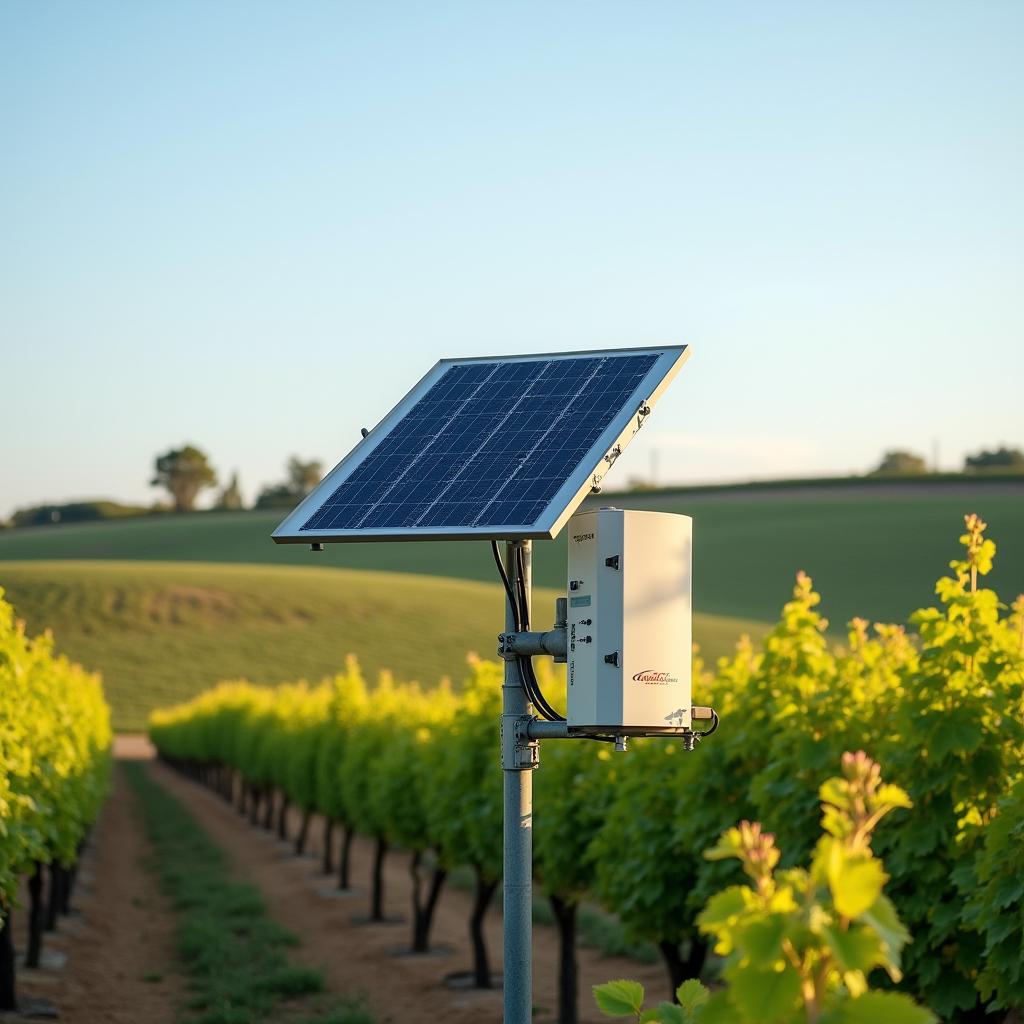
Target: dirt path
x=360 y=958
x=122 y=933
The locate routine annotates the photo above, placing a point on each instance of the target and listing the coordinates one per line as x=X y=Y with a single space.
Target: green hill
x=873 y=548
x=160 y=631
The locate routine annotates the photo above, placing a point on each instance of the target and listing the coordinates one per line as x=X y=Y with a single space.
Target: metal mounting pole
x=518 y=757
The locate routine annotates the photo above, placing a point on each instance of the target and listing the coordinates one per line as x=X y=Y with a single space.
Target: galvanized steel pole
x=518 y=827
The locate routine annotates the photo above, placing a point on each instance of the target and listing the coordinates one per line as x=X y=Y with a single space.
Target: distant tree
x=184 y=472
x=304 y=476
x=276 y=496
x=1001 y=458
x=900 y=463
x=231 y=497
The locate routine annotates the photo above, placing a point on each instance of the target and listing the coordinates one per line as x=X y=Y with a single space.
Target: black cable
x=551 y=714
x=712 y=727
x=532 y=683
x=524 y=604
x=539 y=700
x=513 y=604
x=520 y=617
x=517 y=617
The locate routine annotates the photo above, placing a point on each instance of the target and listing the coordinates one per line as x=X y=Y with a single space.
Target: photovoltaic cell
x=488 y=445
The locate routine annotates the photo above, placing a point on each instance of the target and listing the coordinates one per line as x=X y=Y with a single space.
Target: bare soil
x=366 y=959
x=96 y=964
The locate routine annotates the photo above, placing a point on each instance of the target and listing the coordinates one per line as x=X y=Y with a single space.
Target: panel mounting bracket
x=518 y=751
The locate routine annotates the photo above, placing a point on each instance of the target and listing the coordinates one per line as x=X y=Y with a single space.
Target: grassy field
x=160 y=632
x=873 y=549
x=168 y=605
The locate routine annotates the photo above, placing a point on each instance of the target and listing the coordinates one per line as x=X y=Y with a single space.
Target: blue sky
x=254 y=226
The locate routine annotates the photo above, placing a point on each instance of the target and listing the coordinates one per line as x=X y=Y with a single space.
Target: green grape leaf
x=692 y=995
x=855 y=949
x=724 y=906
x=619 y=998
x=856 y=883
x=669 y=1013
x=890 y=1007
x=765 y=996
x=956 y=732
x=883 y=919
x=761 y=940
x=999 y=928
x=719 y=1011
x=894 y=795
x=728 y=845
x=1008 y=890
x=835 y=791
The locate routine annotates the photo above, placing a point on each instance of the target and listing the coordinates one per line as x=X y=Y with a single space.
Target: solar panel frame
x=620 y=429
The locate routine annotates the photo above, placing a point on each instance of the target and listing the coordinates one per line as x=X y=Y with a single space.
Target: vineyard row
x=54 y=771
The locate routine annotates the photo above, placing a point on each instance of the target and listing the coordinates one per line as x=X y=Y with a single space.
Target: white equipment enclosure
x=629 y=622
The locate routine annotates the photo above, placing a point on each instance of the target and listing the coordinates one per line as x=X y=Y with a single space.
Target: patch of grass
x=349 y=1012
x=161 y=632
x=232 y=951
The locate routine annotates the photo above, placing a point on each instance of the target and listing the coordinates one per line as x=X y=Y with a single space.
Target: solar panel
x=487 y=448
